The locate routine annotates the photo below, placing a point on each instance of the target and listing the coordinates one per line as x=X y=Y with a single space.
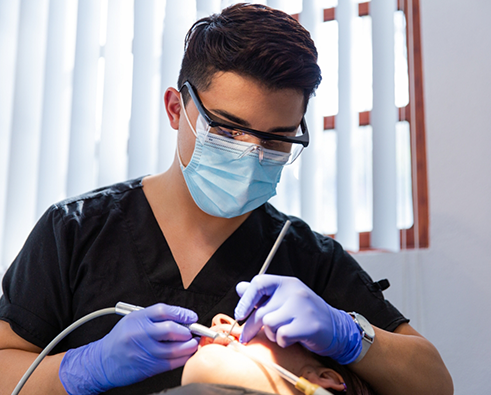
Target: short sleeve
x=36 y=296
x=350 y=288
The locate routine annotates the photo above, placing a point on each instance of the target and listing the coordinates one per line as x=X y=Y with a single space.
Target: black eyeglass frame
x=303 y=139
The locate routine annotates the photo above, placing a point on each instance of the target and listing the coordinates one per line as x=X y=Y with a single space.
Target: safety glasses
x=285 y=146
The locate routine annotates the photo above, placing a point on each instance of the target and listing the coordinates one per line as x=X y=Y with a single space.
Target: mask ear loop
x=190 y=125
x=187 y=118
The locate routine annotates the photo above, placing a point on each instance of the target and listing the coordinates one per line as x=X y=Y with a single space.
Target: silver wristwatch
x=367 y=334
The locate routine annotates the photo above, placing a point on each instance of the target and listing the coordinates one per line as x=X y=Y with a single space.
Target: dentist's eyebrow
x=242 y=122
x=231 y=118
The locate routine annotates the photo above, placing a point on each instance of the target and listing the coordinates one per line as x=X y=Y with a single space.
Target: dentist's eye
x=227 y=132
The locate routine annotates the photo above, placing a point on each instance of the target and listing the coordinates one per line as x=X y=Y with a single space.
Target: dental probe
x=265 y=266
x=300 y=383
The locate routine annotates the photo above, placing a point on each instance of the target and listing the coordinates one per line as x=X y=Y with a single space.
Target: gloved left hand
x=142 y=344
x=294 y=313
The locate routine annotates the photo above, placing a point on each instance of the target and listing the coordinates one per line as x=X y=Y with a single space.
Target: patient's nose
x=222 y=319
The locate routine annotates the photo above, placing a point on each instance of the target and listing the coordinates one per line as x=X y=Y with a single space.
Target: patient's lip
x=221 y=340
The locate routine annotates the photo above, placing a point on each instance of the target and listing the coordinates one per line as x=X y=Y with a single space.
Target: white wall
x=445 y=289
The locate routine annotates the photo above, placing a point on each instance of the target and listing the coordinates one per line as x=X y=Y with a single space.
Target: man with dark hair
x=181 y=241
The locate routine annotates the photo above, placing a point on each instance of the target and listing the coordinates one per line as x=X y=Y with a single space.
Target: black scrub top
x=92 y=251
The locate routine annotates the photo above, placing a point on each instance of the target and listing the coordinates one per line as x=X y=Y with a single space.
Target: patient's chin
x=204 y=366
x=214 y=363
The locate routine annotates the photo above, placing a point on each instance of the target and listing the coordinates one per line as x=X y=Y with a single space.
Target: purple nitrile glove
x=142 y=344
x=294 y=313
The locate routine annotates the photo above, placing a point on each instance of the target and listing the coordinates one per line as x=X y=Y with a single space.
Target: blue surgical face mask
x=228 y=178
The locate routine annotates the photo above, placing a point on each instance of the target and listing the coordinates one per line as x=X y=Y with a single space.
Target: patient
x=214 y=363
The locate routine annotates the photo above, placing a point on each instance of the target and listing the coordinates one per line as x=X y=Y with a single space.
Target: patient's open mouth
x=222 y=340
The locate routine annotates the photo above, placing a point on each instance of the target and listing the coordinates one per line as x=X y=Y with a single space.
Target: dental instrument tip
x=231 y=328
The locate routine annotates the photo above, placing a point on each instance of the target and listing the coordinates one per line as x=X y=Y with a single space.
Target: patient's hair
x=354 y=384
x=254 y=41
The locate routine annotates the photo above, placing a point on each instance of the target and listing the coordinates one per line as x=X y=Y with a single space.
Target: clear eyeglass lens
x=275 y=150
x=269 y=152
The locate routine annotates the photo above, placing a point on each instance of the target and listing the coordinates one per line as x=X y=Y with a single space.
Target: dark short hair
x=254 y=41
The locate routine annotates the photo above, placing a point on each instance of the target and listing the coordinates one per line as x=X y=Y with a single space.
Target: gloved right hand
x=142 y=344
x=294 y=313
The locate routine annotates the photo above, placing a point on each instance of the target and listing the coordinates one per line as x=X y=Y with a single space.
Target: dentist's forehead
x=252 y=103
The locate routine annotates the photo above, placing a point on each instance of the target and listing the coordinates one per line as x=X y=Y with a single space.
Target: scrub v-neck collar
x=237 y=259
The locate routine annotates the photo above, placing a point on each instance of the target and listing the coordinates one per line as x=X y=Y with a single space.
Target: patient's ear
x=325 y=377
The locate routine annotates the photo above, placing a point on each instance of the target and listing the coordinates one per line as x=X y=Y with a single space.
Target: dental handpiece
x=123 y=308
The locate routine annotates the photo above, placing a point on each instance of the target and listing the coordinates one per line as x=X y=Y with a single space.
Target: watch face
x=367 y=328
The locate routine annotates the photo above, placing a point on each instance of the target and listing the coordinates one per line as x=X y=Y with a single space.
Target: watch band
x=367 y=334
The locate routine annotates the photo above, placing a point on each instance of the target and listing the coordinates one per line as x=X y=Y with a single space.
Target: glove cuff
x=352 y=350
x=346 y=344
x=77 y=372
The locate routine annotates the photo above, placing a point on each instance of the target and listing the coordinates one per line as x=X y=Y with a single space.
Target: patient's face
x=216 y=363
